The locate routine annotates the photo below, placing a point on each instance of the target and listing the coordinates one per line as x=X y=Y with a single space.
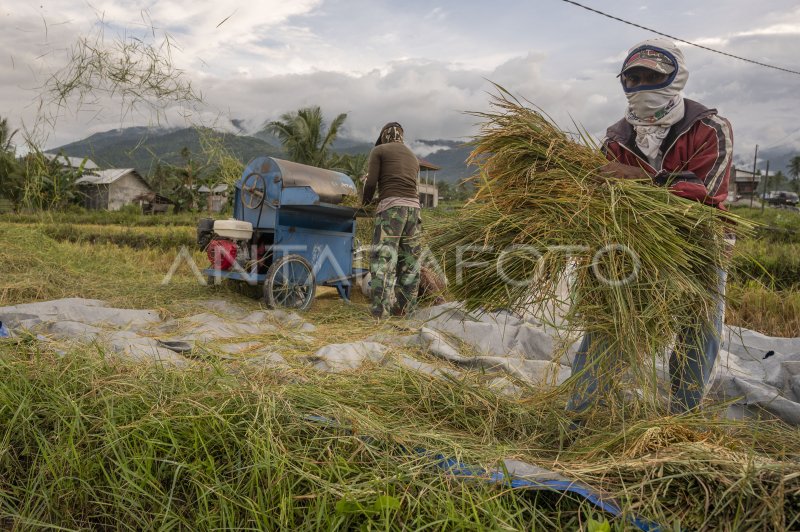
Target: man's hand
x=623 y=171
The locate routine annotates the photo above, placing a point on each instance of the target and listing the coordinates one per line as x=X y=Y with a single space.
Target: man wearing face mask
x=664 y=137
x=671 y=141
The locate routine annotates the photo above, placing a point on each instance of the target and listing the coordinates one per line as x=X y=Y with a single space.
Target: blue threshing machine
x=289 y=233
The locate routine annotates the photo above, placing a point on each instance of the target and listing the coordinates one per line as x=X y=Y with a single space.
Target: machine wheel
x=254 y=188
x=290 y=283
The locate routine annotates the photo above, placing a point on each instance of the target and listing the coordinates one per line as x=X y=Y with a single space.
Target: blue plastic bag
x=4 y=330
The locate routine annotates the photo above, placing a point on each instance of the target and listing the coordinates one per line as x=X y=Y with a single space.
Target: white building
x=428 y=193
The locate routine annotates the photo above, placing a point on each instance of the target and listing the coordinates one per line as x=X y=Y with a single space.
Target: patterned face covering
x=653 y=109
x=391 y=132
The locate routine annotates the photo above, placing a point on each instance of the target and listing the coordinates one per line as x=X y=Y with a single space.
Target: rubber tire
x=272 y=273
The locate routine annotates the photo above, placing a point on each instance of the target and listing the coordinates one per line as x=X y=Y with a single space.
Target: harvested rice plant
x=547 y=233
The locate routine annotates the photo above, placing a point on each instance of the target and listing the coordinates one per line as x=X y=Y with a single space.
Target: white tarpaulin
x=760 y=374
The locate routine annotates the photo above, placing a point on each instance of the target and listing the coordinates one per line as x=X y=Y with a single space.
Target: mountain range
x=142 y=148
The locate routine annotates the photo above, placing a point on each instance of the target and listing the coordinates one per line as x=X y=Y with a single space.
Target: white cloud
x=777 y=29
x=423 y=65
x=423 y=149
x=437 y=14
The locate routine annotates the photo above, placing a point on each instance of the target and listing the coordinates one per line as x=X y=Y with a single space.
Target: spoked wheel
x=253 y=190
x=290 y=283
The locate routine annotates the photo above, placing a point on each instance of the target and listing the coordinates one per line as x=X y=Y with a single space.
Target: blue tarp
x=534 y=478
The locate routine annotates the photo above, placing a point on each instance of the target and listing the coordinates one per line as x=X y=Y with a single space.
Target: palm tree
x=6 y=136
x=303 y=135
x=355 y=166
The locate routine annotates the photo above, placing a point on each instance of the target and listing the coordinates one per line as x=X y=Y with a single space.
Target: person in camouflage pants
x=393 y=262
x=394 y=173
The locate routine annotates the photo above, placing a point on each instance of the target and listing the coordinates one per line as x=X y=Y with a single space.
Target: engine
x=226 y=243
x=223 y=253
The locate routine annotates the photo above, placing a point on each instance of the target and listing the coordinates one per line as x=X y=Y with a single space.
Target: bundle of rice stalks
x=681 y=472
x=639 y=261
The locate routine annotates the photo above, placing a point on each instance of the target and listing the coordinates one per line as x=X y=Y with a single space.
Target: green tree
x=50 y=183
x=463 y=191
x=304 y=137
x=356 y=166
x=181 y=183
x=794 y=171
x=445 y=190
x=6 y=136
x=12 y=181
x=776 y=181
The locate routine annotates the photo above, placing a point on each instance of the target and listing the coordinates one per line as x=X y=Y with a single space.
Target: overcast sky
x=420 y=63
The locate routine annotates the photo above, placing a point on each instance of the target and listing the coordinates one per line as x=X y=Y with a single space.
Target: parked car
x=782 y=197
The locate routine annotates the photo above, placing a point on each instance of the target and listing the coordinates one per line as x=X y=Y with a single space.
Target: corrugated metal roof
x=218 y=189
x=106 y=177
x=427 y=165
x=74 y=162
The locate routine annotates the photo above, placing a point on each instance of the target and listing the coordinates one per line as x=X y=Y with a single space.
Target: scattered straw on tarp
x=639 y=262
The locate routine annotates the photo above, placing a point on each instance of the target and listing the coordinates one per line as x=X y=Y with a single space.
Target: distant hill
x=142 y=147
x=452 y=158
x=352 y=147
x=778 y=160
x=340 y=145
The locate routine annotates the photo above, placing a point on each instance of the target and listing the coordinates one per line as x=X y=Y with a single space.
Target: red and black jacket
x=697 y=154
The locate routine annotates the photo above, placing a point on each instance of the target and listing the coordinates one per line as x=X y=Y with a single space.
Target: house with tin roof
x=112 y=189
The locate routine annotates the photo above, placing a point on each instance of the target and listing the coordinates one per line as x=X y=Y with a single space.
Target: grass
x=130 y=217
x=771 y=263
x=37 y=268
x=780 y=226
x=772 y=257
x=757 y=307
x=167 y=238
x=88 y=442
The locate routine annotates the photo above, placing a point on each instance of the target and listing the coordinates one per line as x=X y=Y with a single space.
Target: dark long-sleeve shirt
x=393 y=170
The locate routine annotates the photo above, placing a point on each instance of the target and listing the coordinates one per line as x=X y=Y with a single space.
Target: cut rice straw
x=548 y=234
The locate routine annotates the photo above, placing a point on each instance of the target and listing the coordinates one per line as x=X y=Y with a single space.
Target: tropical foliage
x=356 y=166
x=36 y=180
x=794 y=170
x=306 y=137
x=11 y=178
x=49 y=183
x=180 y=183
x=461 y=191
